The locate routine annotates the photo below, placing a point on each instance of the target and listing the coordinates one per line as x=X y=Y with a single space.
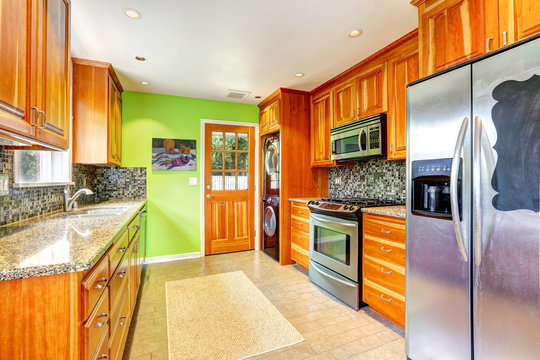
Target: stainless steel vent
x=237 y=94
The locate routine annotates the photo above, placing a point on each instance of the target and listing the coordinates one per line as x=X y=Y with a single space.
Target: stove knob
x=316 y=202
x=345 y=207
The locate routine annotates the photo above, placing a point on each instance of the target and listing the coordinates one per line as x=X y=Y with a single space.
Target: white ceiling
x=201 y=48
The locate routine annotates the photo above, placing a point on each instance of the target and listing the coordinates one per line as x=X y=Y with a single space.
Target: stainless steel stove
x=335 y=246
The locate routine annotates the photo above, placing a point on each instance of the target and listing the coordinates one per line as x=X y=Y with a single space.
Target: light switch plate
x=4 y=185
x=193 y=181
x=337 y=180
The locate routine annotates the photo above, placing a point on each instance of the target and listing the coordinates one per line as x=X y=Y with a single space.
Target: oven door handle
x=312 y=264
x=333 y=222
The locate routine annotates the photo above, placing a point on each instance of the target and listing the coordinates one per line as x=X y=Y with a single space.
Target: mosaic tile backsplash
x=107 y=182
x=376 y=178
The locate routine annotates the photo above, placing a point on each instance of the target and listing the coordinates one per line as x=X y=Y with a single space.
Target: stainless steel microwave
x=359 y=139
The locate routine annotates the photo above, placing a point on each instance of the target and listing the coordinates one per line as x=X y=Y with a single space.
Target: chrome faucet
x=69 y=201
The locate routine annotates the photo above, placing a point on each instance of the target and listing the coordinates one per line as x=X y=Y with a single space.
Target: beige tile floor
x=331 y=329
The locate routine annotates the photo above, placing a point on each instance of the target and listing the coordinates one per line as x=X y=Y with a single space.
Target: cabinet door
x=372 y=92
x=14 y=30
x=273 y=114
x=345 y=103
x=518 y=19
x=51 y=85
x=402 y=71
x=114 y=125
x=263 y=120
x=451 y=32
x=321 y=122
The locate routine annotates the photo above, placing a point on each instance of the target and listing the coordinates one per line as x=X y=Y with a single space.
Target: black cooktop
x=346 y=207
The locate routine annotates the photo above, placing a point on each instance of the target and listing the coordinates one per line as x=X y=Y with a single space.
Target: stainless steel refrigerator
x=473 y=221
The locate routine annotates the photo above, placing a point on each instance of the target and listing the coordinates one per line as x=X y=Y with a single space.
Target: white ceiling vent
x=237 y=94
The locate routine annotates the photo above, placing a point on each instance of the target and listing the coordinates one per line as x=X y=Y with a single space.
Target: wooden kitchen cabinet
x=345 y=102
x=383 y=272
x=269 y=118
x=321 y=123
x=300 y=234
x=403 y=69
x=34 y=106
x=97 y=113
x=372 y=90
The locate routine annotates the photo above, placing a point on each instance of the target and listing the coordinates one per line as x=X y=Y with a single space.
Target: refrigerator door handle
x=454 y=200
x=477 y=183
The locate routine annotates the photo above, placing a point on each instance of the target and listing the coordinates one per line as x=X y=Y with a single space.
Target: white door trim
x=201 y=162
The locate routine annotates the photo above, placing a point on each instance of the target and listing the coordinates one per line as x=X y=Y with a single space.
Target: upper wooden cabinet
x=371 y=90
x=35 y=71
x=451 y=32
x=345 y=102
x=508 y=21
x=97 y=113
x=321 y=123
x=269 y=118
x=402 y=69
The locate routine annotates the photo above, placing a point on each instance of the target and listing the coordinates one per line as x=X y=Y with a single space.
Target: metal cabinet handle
x=121 y=274
x=208 y=196
x=300 y=237
x=333 y=222
x=505 y=39
x=454 y=201
x=357 y=112
x=300 y=212
x=101 y=323
x=386 y=250
x=386 y=272
x=136 y=227
x=386 y=231
x=300 y=224
x=299 y=253
x=385 y=299
x=101 y=280
x=44 y=121
x=330 y=276
x=103 y=356
x=32 y=117
x=122 y=249
x=391 y=148
x=122 y=323
x=487 y=43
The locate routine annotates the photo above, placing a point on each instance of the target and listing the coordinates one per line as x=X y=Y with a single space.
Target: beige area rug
x=223 y=316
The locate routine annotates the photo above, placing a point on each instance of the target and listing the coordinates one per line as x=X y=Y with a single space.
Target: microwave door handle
x=454 y=201
x=332 y=222
x=312 y=264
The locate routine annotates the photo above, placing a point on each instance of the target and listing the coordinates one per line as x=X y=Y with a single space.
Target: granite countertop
x=304 y=199
x=62 y=242
x=395 y=211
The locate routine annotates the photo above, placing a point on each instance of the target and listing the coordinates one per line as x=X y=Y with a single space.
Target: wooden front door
x=229 y=182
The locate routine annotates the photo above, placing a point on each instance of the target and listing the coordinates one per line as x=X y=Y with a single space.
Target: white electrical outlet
x=193 y=181
x=337 y=180
x=4 y=185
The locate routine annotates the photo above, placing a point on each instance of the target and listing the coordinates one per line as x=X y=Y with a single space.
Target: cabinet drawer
x=300 y=210
x=96 y=325
x=300 y=255
x=300 y=224
x=95 y=284
x=391 y=277
x=120 y=331
x=385 y=227
x=384 y=250
x=118 y=284
x=102 y=352
x=134 y=226
x=118 y=250
x=300 y=239
x=386 y=303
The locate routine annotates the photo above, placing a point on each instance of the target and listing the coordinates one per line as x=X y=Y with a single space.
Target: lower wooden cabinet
x=300 y=234
x=383 y=269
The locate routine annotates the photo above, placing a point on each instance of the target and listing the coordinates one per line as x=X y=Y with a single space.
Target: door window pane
x=242 y=181
x=230 y=161
x=243 y=161
x=217 y=140
x=217 y=181
x=243 y=141
x=217 y=160
x=230 y=181
x=230 y=141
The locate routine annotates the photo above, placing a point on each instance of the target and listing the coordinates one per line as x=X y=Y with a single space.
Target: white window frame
x=20 y=184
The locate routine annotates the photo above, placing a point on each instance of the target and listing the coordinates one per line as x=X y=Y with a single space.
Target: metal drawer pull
x=386 y=250
x=299 y=253
x=300 y=212
x=300 y=237
x=386 y=272
x=300 y=224
x=101 y=323
x=121 y=274
x=385 y=299
x=122 y=323
x=122 y=249
x=103 y=356
x=101 y=280
x=386 y=231
x=136 y=226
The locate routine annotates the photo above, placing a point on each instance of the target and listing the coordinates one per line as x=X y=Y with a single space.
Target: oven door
x=334 y=244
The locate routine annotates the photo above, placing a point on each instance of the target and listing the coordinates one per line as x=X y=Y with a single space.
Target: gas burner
x=345 y=207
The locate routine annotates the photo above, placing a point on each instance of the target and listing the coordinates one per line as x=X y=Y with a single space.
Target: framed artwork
x=174 y=154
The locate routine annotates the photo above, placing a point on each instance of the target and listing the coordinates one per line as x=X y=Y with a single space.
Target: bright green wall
x=173 y=205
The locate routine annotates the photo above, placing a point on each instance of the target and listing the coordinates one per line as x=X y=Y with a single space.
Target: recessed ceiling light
x=145 y=83
x=132 y=13
x=299 y=75
x=355 y=33
x=140 y=58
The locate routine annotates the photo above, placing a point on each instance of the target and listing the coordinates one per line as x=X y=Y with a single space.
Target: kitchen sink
x=97 y=212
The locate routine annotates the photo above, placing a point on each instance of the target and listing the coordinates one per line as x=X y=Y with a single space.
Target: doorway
x=229 y=188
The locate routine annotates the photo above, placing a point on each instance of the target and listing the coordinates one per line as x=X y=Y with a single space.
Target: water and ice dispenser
x=431 y=188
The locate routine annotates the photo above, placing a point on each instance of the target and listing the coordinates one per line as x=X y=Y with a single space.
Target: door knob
x=208 y=187
x=208 y=196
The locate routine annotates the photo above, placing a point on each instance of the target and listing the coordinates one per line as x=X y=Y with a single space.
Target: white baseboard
x=160 y=259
